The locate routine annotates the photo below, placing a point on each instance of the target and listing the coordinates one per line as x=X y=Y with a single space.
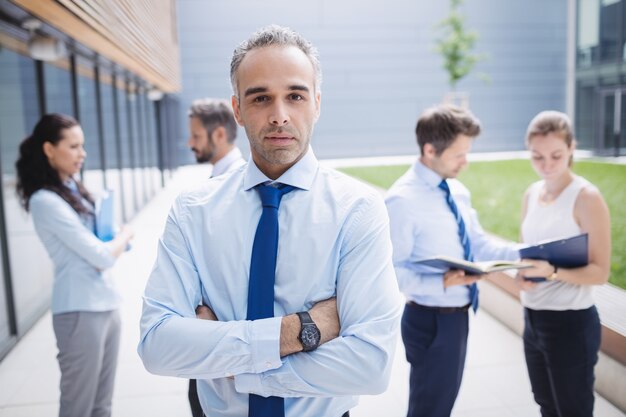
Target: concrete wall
x=380 y=68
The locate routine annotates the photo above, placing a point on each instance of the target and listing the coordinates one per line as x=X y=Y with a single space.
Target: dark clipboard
x=572 y=252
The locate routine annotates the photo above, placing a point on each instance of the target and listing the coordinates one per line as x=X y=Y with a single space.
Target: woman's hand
x=524 y=284
x=120 y=243
x=540 y=269
x=127 y=233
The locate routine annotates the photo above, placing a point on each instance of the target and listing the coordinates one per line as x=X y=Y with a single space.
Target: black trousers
x=561 y=349
x=194 y=402
x=435 y=342
x=346 y=414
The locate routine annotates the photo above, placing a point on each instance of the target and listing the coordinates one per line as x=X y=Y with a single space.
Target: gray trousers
x=88 y=343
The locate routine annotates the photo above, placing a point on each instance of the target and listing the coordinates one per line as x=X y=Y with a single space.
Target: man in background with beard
x=212 y=134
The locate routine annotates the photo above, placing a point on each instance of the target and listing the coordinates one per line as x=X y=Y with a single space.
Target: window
x=88 y=115
x=58 y=86
x=18 y=116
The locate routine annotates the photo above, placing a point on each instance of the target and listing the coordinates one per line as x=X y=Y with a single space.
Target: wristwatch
x=553 y=276
x=309 y=333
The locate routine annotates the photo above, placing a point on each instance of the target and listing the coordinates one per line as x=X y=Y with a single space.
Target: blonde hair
x=551 y=121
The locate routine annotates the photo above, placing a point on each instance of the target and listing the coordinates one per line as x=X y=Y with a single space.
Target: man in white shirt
x=212 y=134
x=302 y=303
x=423 y=224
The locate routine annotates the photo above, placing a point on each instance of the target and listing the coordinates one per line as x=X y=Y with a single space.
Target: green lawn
x=497 y=189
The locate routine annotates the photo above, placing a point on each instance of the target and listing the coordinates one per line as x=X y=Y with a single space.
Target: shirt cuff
x=248 y=384
x=265 y=344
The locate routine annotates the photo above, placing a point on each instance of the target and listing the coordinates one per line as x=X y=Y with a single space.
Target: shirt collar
x=430 y=177
x=71 y=184
x=222 y=165
x=300 y=175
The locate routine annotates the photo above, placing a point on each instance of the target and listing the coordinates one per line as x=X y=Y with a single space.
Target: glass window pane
x=608 y=106
x=108 y=121
x=134 y=145
x=143 y=144
x=58 y=85
x=588 y=31
x=125 y=152
x=92 y=174
x=112 y=161
x=611 y=47
x=152 y=143
x=586 y=136
x=32 y=281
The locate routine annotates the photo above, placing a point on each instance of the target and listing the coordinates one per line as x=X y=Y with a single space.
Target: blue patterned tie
x=467 y=249
x=261 y=285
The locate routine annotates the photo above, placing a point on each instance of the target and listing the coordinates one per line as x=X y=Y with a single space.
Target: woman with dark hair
x=84 y=299
x=562 y=327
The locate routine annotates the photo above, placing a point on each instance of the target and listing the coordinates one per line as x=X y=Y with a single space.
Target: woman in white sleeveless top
x=562 y=328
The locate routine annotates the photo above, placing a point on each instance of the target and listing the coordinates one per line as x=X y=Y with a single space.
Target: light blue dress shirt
x=82 y=281
x=230 y=162
x=422 y=226
x=333 y=241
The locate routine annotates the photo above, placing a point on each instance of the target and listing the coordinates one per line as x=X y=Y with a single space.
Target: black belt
x=442 y=310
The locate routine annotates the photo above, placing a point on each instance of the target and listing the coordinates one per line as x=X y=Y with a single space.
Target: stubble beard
x=202 y=157
x=279 y=156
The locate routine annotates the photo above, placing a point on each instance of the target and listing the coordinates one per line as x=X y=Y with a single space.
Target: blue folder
x=105 y=219
x=572 y=252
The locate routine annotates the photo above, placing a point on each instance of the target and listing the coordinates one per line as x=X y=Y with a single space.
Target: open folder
x=444 y=263
x=572 y=252
x=105 y=217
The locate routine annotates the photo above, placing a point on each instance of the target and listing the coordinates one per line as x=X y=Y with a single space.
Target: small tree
x=456 y=45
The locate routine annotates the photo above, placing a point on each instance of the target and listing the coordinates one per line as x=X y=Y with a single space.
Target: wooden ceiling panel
x=139 y=35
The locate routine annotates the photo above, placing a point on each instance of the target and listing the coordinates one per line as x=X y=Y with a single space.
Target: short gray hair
x=270 y=36
x=214 y=113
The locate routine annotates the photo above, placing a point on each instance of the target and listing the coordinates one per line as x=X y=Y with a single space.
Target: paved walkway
x=495 y=383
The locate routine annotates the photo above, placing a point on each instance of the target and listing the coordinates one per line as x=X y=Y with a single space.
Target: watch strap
x=305 y=318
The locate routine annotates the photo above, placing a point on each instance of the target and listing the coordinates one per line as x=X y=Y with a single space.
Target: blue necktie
x=467 y=249
x=261 y=285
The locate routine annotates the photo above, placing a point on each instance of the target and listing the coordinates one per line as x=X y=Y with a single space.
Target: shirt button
x=268 y=365
x=228 y=374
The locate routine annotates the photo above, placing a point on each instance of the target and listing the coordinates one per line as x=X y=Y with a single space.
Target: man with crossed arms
x=334 y=304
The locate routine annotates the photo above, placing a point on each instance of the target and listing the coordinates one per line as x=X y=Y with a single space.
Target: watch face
x=310 y=337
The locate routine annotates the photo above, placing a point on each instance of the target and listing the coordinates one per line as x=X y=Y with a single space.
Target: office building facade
x=601 y=76
x=113 y=66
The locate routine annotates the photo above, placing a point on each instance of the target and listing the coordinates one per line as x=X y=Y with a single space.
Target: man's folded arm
x=173 y=342
x=369 y=305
